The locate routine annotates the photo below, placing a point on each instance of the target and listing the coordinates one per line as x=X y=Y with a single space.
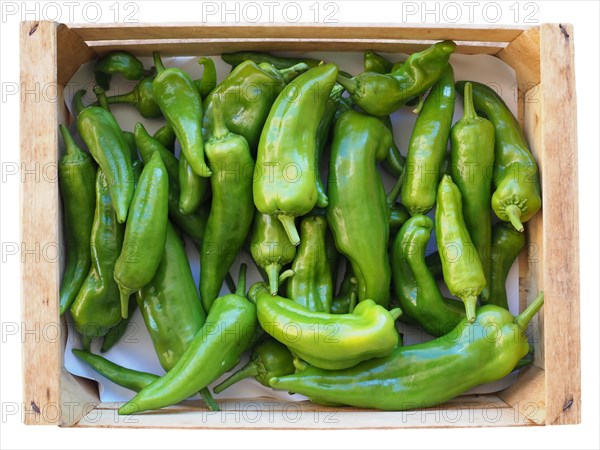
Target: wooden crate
x=542 y=56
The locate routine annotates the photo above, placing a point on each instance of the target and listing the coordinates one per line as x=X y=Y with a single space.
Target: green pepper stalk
x=471 y=163
x=383 y=94
x=426 y=374
x=461 y=265
x=416 y=289
x=141 y=96
x=516 y=198
x=427 y=146
x=179 y=100
x=117 y=62
x=231 y=210
x=311 y=285
x=145 y=231
x=329 y=341
x=215 y=349
x=237 y=58
x=284 y=179
x=269 y=359
x=506 y=245
x=359 y=142
x=76 y=178
x=209 y=77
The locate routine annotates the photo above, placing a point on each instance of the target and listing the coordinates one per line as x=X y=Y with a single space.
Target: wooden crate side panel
x=560 y=226
x=72 y=52
x=527 y=396
x=523 y=55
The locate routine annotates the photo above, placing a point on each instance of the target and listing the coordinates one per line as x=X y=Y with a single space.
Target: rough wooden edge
x=527 y=395
x=39 y=223
x=523 y=55
x=561 y=225
x=72 y=52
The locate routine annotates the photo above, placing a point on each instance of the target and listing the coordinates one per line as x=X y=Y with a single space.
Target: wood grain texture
x=561 y=226
x=72 y=52
x=527 y=396
x=42 y=361
x=523 y=55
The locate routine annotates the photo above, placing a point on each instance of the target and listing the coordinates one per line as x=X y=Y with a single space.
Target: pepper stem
x=513 y=212
x=395 y=192
x=241 y=284
x=87 y=343
x=285 y=275
x=78 y=101
x=209 y=400
x=523 y=319
x=209 y=76
x=220 y=129
x=289 y=226
x=468 y=99
x=289 y=73
x=101 y=96
x=349 y=84
x=230 y=283
x=129 y=97
x=124 y=294
x=158 y=62
x=470 y=302
x=249 y=370
x=395 y=313
x=273 y=276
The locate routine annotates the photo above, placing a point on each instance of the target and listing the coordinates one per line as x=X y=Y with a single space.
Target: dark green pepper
x=416 y=289
x=359 y=142
x=394 y=163
x=383 y=94
x=288 y=141
x=269 y=359
x=145 y=231
x=166 y=136
x=426 y=374
x=231 y=210
x=237 y=58
x=471 y=164
x=117 y=62
x=398 y=217
x=427 y=146
x=506 y=245
x=215 y=349
x=115 y=334
x=311 y=285
x=180 y=102
x=76 y=178
x=516 y=198
x=463 y=272
x=374 y=62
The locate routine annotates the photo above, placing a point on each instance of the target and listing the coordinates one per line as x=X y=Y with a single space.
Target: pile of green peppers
x=248 y=180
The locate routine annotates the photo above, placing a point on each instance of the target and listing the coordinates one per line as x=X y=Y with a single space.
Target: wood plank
x=561 y=226
x=78 y=397
x=72 y=52
x=493 y=33
x=523 y=55
x=528 y=395
x=39 y=198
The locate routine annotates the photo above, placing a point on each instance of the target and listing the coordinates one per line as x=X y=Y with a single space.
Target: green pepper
x=248 y=93
x=166 y=136
x=209 y=77
x=215 y=349
x=269 y=359
x=231 y=210
x=311 y=285
x=383 y=94
x=270 y=247
x=284 y=179
x=394 y=163
x=506 y=245
x=117 y=62
x=145 y=231
x=398 y=217
x=425 y=374
x=114 y=335
x=76 y=175
x=346 y=298
x=461 y=265
x=427 y=146
x=180 y=102
x=103 y=137
x=141 y=96
x=237 y=58
x=329 y=341
x=416 y=289
x=374 y=62
x=96 y=308
x=471 y=164
x=193 y=189
x=359 y=142
x=516 y=198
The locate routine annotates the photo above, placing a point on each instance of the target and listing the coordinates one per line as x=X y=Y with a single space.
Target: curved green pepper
x=383 y=94
x=76 y=178
x=516 y=198
x=237 y=58
x=215 y=349
x=145 y=231
x=180 y=102
x=193 y=189
x=166 y=136
x=284 y=179
x=96 y=308
x=416 y=289
x=329 y=341
x=311 y=285
x=427 y=146
x=471 y=164
x=231 y=210
x=359 y=141
x=506 y=245
x=461 y=265
x=270 y=247
x=426 y=374
x=269 y=359
x=117 y=62
x=103 y=137
x=209 y=77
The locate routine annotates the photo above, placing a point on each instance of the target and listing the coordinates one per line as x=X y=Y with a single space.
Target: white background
x=584 y=16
